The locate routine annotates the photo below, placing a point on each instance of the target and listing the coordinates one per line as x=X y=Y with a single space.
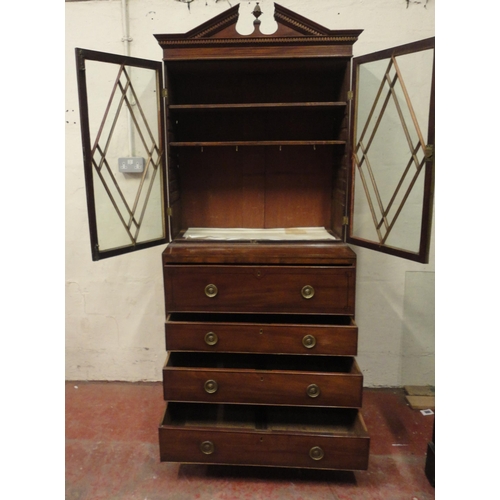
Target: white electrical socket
x=131 y=165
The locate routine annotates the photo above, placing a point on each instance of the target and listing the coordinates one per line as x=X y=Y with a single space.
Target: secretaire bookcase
x=256 y=159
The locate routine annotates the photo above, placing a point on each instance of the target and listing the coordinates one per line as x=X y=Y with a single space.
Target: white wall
x=114 y=307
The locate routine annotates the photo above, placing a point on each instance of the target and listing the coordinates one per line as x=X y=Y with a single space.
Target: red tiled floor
x=112 y=454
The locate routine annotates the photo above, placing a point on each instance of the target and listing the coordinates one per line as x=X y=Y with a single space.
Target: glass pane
x=392 y=113
x=123 y=124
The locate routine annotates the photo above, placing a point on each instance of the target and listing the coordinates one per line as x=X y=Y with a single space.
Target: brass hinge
x=350 y=95
x=169 y=212
x=429 y=152
x=164 y=93
x=345 y=220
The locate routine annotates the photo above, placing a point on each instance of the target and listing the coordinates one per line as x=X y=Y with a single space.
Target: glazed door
x=391 y=182
x=121 y=112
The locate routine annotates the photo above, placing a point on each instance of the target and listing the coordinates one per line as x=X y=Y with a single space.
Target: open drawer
x=263 y=379
x=319 y=438
x=262 y=333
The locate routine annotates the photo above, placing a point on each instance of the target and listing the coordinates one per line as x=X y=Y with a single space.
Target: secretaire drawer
x=319 y=438
x=262 y=333
x=246 y=289
x=263 y=379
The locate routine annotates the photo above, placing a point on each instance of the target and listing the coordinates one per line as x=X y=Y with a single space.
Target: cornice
x=216 y=27
x=296 y=24
x=258 y=40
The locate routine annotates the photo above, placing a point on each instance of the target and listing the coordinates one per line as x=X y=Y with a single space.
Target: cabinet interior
x=257 y=143
x=267 y=362
x=262 y=319
x=341 y=421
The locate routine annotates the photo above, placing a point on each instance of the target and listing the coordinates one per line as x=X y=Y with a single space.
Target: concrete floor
x=112 y=453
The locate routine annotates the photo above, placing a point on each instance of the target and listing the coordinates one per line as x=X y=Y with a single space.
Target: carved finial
x=257 y=12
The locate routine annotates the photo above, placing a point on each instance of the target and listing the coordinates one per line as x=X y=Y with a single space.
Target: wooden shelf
x=260 y=105
x=257 y=143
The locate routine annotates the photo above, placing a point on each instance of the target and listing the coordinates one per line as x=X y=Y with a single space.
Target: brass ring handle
x=313 y=391
x=211 y=290
x=211 y=338
x=307 y=292
x=316 y=453
x=207 y=447
x=309 y=341
x=211 y=386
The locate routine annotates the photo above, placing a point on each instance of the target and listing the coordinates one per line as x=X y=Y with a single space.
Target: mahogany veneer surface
x=263 y=379
x=264 y=436
x=264 y=333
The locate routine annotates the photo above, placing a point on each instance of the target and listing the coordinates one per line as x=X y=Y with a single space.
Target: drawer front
x=255 y=334
x=326 y=290
x=229 y=447
x=343 y=449
x=341 y=388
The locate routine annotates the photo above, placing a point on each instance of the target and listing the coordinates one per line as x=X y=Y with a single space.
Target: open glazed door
x=391 y=187
x=123 y=145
